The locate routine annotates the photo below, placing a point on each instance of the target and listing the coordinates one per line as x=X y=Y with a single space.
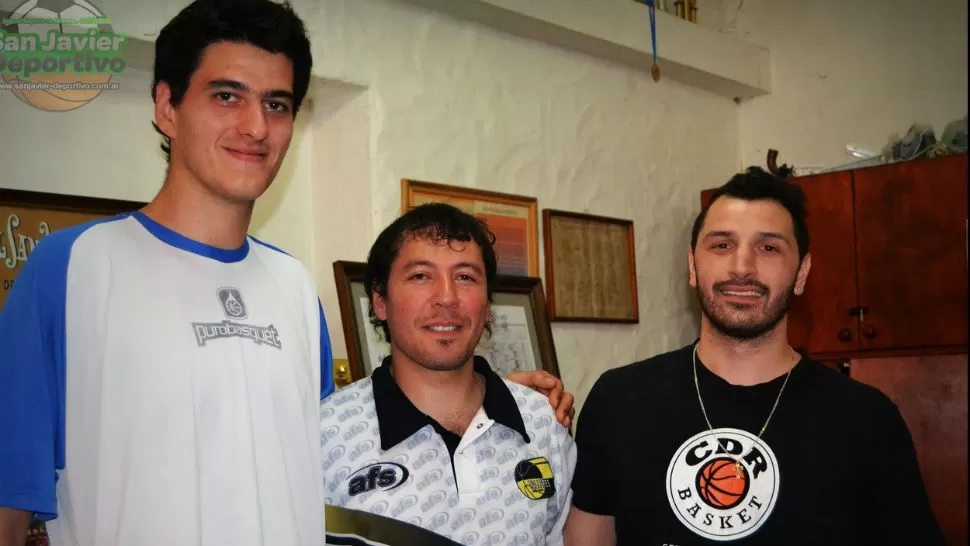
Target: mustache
x=447 y=317
x=723 y=285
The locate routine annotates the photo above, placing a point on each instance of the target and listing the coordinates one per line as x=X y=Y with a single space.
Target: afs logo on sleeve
x=534 y=478
x=383 y=476
x=713 y=500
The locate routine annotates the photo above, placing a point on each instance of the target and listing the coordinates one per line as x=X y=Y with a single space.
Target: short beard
x=747 y=331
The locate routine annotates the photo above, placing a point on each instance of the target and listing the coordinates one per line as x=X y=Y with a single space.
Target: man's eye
x=225 y=96
x=419 y=277
x=277 y=106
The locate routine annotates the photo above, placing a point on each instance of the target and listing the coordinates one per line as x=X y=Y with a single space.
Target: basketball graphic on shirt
x=710 y=497
x=720 y=485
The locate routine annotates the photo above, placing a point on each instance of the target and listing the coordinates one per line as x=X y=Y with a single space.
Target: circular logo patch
x=715 y=497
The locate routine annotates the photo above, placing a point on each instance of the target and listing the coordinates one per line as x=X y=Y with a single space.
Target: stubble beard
x=719 y=314
x=428 y=362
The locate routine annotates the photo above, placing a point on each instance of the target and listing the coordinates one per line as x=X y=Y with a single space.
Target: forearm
x=13 y=526
x=585 y=529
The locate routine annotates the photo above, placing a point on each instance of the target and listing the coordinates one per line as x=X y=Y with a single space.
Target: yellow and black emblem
x=534 y=478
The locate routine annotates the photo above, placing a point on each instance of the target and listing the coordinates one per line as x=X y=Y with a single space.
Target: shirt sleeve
x=326 y=357
x=899 y=507
x=564 y=491
x=32 y=380
x=590 y=494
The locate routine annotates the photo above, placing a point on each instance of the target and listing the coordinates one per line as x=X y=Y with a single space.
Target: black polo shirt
x=399 y=418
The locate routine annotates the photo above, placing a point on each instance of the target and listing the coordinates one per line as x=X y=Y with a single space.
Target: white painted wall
x=849 y=73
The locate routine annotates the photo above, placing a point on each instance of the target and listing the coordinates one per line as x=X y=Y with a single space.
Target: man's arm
x=585 y=529
x=591 y=518
x=326 y=357
x=899 y=508
x=551 y=386
x=13 y=526
x=564 y=491
x=31 y=388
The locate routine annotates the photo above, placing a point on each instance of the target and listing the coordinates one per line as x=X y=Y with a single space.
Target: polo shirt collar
x=398 y=418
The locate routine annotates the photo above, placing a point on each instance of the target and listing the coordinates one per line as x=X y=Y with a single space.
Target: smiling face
x=232 y=129
x=436 y=306
x=745 y=267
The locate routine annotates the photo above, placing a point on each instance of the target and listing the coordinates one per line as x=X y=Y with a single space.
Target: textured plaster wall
x=849 y=73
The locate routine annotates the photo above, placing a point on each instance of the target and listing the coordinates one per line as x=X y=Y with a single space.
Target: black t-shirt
x=836 y=464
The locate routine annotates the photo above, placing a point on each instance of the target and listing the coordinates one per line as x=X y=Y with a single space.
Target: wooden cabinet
x=931 y=394
x=889 y=261
x=911 y=254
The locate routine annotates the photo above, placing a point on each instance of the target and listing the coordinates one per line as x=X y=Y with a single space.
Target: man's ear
x=380 y=305
x=802 y=276
x=691 y=271
x=164 y=111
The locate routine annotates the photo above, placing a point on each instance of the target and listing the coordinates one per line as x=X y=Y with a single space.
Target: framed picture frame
x=590 y=268
x=521 y=338
x=27 y=216
x=514 y=219
x=366 y=348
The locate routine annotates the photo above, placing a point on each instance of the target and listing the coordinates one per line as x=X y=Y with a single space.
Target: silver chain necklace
x=737 y=460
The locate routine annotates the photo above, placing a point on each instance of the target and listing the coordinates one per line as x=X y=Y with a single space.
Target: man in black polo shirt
x=737 y=438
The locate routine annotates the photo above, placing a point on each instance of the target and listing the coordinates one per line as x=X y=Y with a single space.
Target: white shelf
x=619 y=31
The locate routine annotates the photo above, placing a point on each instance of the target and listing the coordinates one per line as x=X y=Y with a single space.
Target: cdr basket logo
x=713 y=500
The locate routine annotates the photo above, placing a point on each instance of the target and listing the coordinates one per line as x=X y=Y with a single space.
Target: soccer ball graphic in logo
x=42 y=17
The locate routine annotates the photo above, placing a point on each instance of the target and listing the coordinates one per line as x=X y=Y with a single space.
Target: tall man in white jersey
x=161 y=371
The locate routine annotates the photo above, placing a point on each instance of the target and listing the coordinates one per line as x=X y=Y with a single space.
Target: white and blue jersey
x=158 y=391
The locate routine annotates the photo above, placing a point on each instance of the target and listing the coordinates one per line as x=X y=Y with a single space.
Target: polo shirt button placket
x=466 y=465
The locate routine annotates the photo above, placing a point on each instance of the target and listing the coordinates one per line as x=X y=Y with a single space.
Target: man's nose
x=446 y=292
x=252 y=121
x=744 y=263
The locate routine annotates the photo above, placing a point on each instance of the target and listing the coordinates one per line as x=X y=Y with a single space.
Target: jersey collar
x=182 y=242
x=398 y=418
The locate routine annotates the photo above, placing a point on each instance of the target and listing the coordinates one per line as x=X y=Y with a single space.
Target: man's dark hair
x=436 y=222
x=265 y=24
x=756 y=184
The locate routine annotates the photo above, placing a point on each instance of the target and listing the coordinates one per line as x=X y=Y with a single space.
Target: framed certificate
x=514 y=219
x=590 y=267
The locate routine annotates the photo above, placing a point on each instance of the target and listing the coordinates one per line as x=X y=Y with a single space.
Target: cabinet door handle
x=845 y=335
x=868 y=332
x=859 y=312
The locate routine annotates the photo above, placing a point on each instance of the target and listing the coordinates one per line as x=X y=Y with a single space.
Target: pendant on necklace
x=737 y=469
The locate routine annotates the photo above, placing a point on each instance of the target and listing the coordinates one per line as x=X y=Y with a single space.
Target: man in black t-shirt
x=737 y=438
